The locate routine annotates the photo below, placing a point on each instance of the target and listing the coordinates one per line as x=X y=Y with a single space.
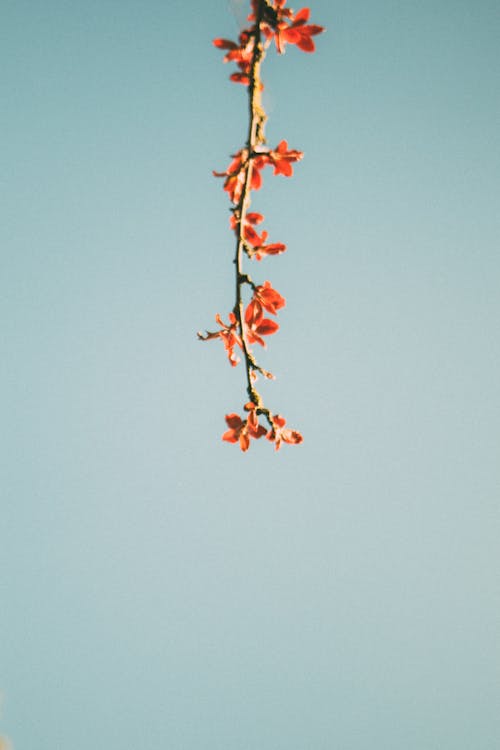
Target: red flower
x=273 y=249
x=241 y=54
x=287 y=28
x=282 y=159
x=249 y=234
x=241 y=430
x=257 y=241
x=235 y=176
x=252 y=237
x=228 y=335
x=236 y=173
x=251 y=219
x=266 y=298
x=257 y=325
x=278 y=433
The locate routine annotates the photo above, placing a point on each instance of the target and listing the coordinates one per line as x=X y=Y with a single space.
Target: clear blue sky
x=159 y=589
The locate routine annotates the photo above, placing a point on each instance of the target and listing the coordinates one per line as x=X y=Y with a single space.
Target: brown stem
x=255 y=138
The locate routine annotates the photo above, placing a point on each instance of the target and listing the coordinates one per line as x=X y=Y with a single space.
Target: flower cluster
x=241 y=430
x=248 y=321
x=236 y=173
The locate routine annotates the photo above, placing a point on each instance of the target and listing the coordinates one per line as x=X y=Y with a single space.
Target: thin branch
x=255 y=138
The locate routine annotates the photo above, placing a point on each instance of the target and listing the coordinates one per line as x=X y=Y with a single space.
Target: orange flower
x=265 y=298
x=278 y=433
x=228 y=335
x=236 y=173
x=242 y=55
x=282 y=159
x=251 y=236
x=241 y=430
x=269 y=298
x=235 y=176
x=287 y=28
x=274 y=248
x=255 y=246
x=257 y=325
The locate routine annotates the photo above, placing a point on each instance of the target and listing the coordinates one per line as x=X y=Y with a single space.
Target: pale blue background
x=159 y=589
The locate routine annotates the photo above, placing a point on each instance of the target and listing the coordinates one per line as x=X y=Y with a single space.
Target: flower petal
x=266 y=327
x=302 y=15
x=224 y=44
x=244 y=441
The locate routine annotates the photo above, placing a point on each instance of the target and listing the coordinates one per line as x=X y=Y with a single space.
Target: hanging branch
x=271 y=21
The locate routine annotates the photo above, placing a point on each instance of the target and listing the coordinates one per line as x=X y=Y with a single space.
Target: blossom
x=274 y=248
x=251 y=219
x=256 y=325
x=241 y=430
x=241 y=54
x=255 y=246
x=254 y=242
x=228 y=335
x=278 y=433
x=237 y=53
x=235 y=176
x=281 y=158
x=252 y=236
x=287 y=28
x=266 y=298
x=236 y=173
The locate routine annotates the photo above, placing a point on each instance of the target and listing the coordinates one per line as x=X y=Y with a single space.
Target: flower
x=236 y=173
x=255 y=246
x=287 y=28
x=274 y=248
x=241 y=54
x=235 y=176
x=252 y=236
x=241 y=430
x=256 y=325
x=281 y=158
x=278 y=433
x=228 y=335
x=266 y=298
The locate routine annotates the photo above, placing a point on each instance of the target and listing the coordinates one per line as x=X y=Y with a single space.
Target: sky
x=159 y=588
